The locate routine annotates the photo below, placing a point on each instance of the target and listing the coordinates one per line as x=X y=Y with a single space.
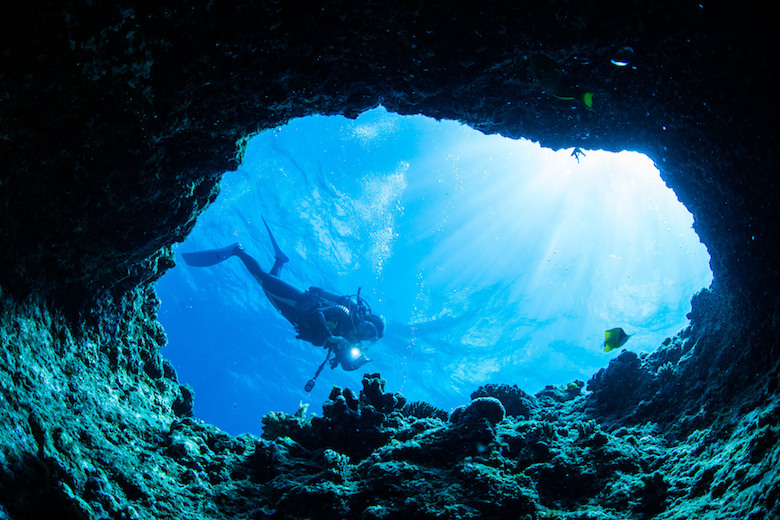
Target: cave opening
x=492 y=260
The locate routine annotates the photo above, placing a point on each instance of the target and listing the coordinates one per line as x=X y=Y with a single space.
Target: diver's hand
x=336 y=343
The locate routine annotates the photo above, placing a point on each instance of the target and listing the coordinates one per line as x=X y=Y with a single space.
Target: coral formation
x=353 y=427
x=516 y=402
x=482 y=462
x=423 y=410
x=116 y=122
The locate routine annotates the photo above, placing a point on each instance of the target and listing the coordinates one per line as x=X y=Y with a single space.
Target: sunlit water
x=492 y=260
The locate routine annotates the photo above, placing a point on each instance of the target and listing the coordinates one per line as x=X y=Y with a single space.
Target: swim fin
x=281 y=258
x=209 y=257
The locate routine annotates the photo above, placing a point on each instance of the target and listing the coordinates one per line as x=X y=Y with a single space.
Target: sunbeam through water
x=491 y=260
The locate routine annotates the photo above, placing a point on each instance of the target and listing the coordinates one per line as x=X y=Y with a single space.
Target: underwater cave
x=118 y=121
x=489 y=259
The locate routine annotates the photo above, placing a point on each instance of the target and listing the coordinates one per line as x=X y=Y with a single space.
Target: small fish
x=576 y=154
x=614 y=338
x=552 y=79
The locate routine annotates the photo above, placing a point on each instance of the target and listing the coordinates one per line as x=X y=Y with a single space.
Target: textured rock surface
x=116 y=120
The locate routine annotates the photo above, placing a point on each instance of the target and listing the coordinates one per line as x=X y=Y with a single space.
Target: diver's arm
x=338 y=315
x=320 y=322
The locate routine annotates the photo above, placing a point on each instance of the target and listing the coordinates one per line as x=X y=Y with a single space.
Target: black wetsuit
x=316 y=319
x=315 y=313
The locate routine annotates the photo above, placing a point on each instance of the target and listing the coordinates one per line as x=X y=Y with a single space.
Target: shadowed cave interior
x=117 y=121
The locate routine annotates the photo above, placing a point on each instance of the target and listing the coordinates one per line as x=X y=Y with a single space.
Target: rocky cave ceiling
x=118 y=118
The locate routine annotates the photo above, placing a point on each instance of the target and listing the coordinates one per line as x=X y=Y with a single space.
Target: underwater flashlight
x=309 y=385
x=355 y=353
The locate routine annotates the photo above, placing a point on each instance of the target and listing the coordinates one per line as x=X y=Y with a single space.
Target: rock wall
x=116 y=121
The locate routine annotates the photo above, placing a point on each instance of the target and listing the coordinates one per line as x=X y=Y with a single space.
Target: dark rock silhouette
x=116 y=121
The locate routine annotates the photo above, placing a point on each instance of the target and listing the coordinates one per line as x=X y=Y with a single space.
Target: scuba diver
x=341 y=324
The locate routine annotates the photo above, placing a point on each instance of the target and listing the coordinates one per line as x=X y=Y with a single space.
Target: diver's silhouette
x=341 y=324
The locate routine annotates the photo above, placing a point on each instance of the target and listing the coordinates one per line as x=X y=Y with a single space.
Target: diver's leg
x=276 y=289
x=276 y=269
x=280 y=257
x=251 y=264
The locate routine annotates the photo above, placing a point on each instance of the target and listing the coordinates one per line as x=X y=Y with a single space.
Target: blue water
x=491 y=260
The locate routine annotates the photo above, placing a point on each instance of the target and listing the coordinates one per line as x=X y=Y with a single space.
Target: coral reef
x=516 y=402
x=480 y=463
x=116 y=122
x=106 y=433
x=352 y=426
x=423 y=410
